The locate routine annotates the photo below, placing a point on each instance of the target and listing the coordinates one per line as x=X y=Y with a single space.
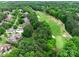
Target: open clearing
x=57 y=27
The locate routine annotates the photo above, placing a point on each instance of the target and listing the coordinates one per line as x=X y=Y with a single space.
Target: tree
x=2 y=16
x=32 y=17
x=75 y=39
x=2 y=30
x=7 y=25
x=20 y=20
x=28 y=9
x=40 y=53
x=51 y=45
x=27 y=31
x=15 y=52
x=26 y=44
x=75 y=31
x=29 y=54
x=69 y=50
x=42 y=34
x=72 y=26
x=16 y=12
x=44 y=30
x=15 y=26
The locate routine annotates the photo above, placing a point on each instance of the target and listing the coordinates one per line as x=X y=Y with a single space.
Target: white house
x=19 y=30
x=14 y=37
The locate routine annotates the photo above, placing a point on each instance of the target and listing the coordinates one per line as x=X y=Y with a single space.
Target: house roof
x=5 y=47
x=8 y=17
x=26 y=20
x=14 y=37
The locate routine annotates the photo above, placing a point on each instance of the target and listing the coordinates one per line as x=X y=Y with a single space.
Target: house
x=19 y=30
x=14 y=37
x=26 y=20
x=5 y=47
x=11 y=30
x=6 y=12
x=17 y=36
x=25 y=14
x=8 y=17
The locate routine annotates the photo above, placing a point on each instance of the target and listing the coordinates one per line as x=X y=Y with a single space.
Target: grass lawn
x=54 y=27
x=3 y=39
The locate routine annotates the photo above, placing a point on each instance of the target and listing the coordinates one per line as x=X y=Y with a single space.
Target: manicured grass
x=54 y=27
x=59 y=42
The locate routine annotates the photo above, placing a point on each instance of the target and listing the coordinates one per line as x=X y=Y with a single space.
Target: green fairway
x=54 y=27
x=59 y=42
x=57 y=30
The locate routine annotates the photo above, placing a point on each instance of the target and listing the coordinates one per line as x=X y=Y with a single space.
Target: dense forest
x=39 y=29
